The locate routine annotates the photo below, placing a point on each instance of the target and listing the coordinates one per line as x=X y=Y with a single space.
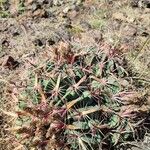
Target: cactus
x=76 y=104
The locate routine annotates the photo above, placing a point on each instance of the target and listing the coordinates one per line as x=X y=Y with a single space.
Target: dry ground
x=28 y=30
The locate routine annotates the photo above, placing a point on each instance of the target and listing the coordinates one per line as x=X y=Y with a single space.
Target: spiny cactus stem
x=80 y=81
x=70 y=104
x=38 y=87
x=56 y=88
x=87 y=70
x=82 y=144
x=84 y=113
x=57 y=125
x=61 y=112
x=102 y=81
x=104 y=126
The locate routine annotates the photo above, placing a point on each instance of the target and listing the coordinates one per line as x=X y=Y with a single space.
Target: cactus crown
x=74 y=104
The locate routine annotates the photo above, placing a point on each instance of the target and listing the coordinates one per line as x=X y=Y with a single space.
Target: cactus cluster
x=77 y=103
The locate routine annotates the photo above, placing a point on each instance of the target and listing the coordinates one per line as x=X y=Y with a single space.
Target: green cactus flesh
x=78 y=110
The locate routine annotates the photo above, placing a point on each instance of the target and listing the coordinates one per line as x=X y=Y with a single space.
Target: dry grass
x=136 y=49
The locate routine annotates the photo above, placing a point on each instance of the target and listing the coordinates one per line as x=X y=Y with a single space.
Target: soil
x=28 y=30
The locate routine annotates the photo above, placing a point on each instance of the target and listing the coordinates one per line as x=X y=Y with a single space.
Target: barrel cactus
x=75 y=103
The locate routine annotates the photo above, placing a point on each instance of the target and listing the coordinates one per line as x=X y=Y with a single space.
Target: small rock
x=63 y=34
x=1 y=119
x=28 y=2
x=38 y=13
x=144 y=18
x=54 y=38
x=50 y=42
x=63 y=48
x=10 y=62
x=78 y=2
x=123 y=82
x=99 y=38
x=129 y=31
x=134 y=3
x=5 y=43
x=14 y=30
x=148 y=100
x=119 y=16
x=130 y=19
x=47 y=14
x=141 y=3
x=66 y=10
x=15 y=33
x=144 y=4
x=145 y=34
x=35 y=7
x=72 y=14
x=85 y=25
x=43 y=1
x=57 y=2
x=38 y=42
x=148 y=5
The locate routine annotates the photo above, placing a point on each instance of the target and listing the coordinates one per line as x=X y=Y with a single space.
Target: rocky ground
x=28 y=30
